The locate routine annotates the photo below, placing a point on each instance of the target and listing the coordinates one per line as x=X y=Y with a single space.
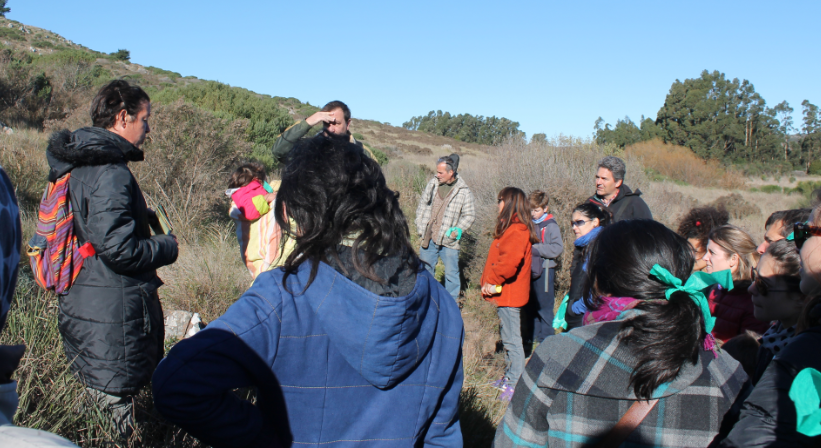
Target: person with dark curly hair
x=696 y=226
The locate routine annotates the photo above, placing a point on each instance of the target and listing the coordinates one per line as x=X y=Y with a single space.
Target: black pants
x=540 y=306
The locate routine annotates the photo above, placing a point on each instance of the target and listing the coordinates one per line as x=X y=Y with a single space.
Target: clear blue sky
x=552 y=66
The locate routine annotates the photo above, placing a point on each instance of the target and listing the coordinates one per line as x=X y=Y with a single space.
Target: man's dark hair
x=114 y=97
x=670 y=332
x=788 y=218
x=338 y=105
x=333 y=191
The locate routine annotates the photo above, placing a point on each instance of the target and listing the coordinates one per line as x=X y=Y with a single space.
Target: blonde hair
x=733 y=240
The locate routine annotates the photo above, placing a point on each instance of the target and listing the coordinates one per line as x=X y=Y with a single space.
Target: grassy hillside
x=41 y=52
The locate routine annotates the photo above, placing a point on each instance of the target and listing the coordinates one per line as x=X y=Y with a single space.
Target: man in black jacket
x=614 y=194
x=111 y=319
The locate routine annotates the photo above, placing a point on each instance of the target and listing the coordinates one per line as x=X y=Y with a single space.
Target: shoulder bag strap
x=628 y=423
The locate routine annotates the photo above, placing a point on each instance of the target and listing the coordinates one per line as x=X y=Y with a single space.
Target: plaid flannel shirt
x=575 y=389
x=459 y=212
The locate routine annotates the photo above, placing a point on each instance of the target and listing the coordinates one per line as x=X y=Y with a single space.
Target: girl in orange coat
x=508 y=267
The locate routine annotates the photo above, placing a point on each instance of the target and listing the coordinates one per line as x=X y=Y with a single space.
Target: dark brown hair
x=700 y=221
x=670 y=333
x=538 y=199
x=338 y=105
x=246 y=173
x=515 y=206
x=114 y=97
x=332 y=191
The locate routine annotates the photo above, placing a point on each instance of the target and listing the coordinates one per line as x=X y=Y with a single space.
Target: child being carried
x=258 y=233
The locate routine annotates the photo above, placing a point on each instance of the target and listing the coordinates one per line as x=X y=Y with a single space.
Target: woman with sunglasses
x=777 y=298
x=587 y=220
x=730 y=248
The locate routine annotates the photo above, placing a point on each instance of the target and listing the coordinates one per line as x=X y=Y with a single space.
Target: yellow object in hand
x=498 y=289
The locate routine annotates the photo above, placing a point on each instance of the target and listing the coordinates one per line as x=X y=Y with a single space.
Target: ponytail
x=665 y=337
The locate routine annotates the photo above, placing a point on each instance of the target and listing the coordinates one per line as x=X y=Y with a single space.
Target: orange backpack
x=55 y=255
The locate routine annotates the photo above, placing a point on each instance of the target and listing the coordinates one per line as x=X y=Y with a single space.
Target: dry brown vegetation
x=681 y=164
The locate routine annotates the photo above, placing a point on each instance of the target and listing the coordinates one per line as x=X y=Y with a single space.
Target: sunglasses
x=803 y=231
x=578 y=223
x=762 y=287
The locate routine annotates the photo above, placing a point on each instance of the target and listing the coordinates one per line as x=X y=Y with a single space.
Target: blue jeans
x=450 y=257
x=510 y=327
x=540 y=307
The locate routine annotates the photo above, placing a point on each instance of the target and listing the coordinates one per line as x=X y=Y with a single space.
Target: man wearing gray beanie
x=445 y=213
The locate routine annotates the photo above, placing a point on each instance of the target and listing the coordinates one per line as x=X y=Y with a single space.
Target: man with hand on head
x=445 y=213
x=780 y=225
x=615 y=195
x=336 y=121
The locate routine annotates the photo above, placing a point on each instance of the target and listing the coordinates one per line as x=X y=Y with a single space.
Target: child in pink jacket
x=258 y=233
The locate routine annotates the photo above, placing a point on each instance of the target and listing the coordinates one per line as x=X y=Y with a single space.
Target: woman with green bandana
x=645 y=350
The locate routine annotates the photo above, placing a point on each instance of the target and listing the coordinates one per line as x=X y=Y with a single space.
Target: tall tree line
x=725 y=119
x=466 y=127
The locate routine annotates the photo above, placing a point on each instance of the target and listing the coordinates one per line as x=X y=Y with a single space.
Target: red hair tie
x=698 y=223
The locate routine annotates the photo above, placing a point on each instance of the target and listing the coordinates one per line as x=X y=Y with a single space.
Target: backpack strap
x=627 y=424
x=620 y=212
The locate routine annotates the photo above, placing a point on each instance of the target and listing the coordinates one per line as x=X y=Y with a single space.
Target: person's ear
x=619 y=182
x=121 y=118
x=596 y=222
x=734 y=260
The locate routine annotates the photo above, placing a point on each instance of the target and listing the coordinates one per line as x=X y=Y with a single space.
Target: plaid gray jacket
x=459 y=212
x=575 y=389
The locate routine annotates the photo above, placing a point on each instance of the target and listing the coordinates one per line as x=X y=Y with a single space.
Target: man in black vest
x=614 y=194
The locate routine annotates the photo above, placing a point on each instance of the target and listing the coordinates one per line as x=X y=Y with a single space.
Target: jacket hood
x=624 y=191
x=382 y=338
x=87 y=147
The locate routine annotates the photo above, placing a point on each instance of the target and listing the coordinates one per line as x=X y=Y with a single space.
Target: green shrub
x=11 y=34
x=120 y=55
x=358 y=136
x=771 y=189
x=792 y=179
x=815 y=168
x=161 y=72
x=42 y=44
x=380 y=156
x=66 y=56
x=267 y=118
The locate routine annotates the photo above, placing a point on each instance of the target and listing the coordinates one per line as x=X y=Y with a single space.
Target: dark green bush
x=358 y=136
x=380 y=156
x=11 y=34
x=267 y=118
x=771 y=189
x=161 y=72
x=815 y=168
x=120 y=55
x=42 y=44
